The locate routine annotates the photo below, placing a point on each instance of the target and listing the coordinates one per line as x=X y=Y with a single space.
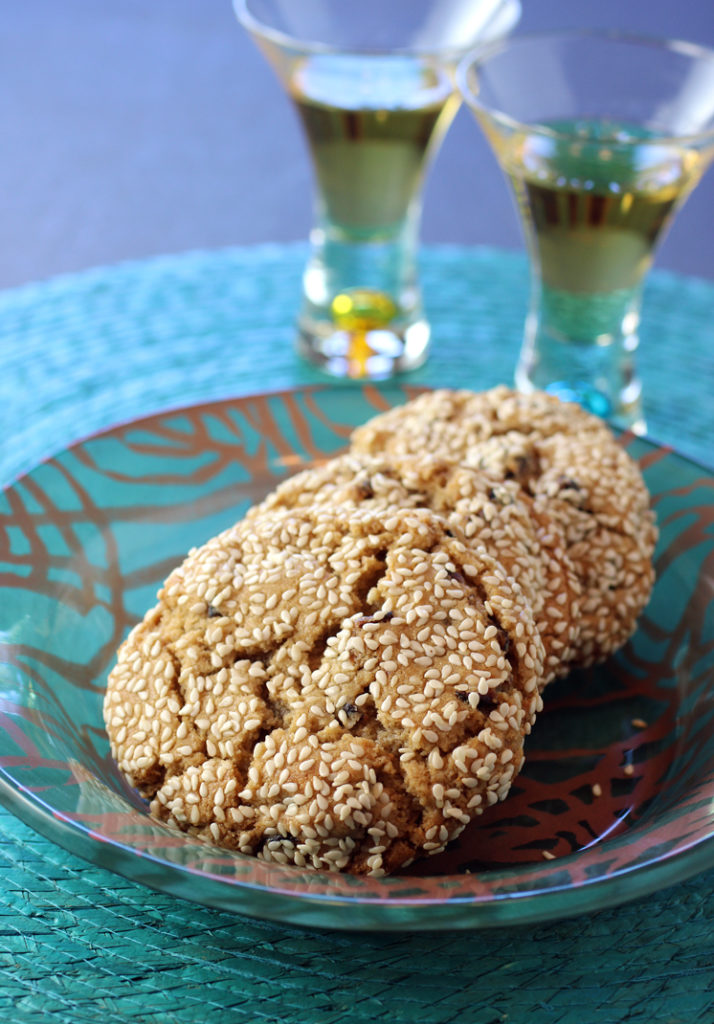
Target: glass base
x=598 y=374
x=625 y=413
x=364 y=355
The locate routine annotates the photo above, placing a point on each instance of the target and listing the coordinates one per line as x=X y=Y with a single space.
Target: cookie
x=340 y=692
x=453 y=422
x=497 y=515
x=595 y=492
x=570 y=464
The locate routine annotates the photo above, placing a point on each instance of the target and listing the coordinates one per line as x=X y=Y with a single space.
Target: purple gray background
x=136 y=127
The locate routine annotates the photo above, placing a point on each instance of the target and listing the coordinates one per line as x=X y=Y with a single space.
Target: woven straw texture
x=80 y=944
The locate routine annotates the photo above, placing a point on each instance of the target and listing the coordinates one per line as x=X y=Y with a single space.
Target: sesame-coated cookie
x=570 y=464
x=495 y=514
x=342 y=692
x=595 y=492
x=453 y=422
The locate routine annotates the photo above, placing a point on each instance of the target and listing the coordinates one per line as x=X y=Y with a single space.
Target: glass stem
x=341 y=261
x=581 y=346
x=362 y=312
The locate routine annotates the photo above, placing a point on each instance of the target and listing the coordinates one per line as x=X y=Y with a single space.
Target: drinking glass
x=602 y=137
x=373 y=86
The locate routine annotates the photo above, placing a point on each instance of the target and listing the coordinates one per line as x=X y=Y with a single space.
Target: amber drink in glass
x=602 y=137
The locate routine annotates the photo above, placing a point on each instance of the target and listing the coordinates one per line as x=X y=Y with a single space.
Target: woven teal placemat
x=82 y=352
x=80 y=944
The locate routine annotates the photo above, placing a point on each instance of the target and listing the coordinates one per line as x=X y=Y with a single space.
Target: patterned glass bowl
x=617 y=795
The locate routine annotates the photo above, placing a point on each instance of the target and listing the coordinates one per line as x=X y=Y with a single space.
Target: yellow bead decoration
x=363 y=309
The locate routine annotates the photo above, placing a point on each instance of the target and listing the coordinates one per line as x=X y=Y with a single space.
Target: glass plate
x=617 y=795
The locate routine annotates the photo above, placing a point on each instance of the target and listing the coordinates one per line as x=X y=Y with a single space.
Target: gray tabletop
x=131 y=128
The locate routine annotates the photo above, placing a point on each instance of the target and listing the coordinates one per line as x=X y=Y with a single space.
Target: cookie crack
x=363 y=721
x=316 y=653
x=510 y=653
x=503 y=637
x=368 y=581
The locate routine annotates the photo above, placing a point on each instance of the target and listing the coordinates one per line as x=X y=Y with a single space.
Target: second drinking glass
x=602 y=137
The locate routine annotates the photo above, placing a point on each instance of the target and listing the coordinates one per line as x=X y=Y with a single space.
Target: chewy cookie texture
x=346 y=678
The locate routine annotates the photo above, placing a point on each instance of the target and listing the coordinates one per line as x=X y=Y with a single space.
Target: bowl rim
x=286 y=902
